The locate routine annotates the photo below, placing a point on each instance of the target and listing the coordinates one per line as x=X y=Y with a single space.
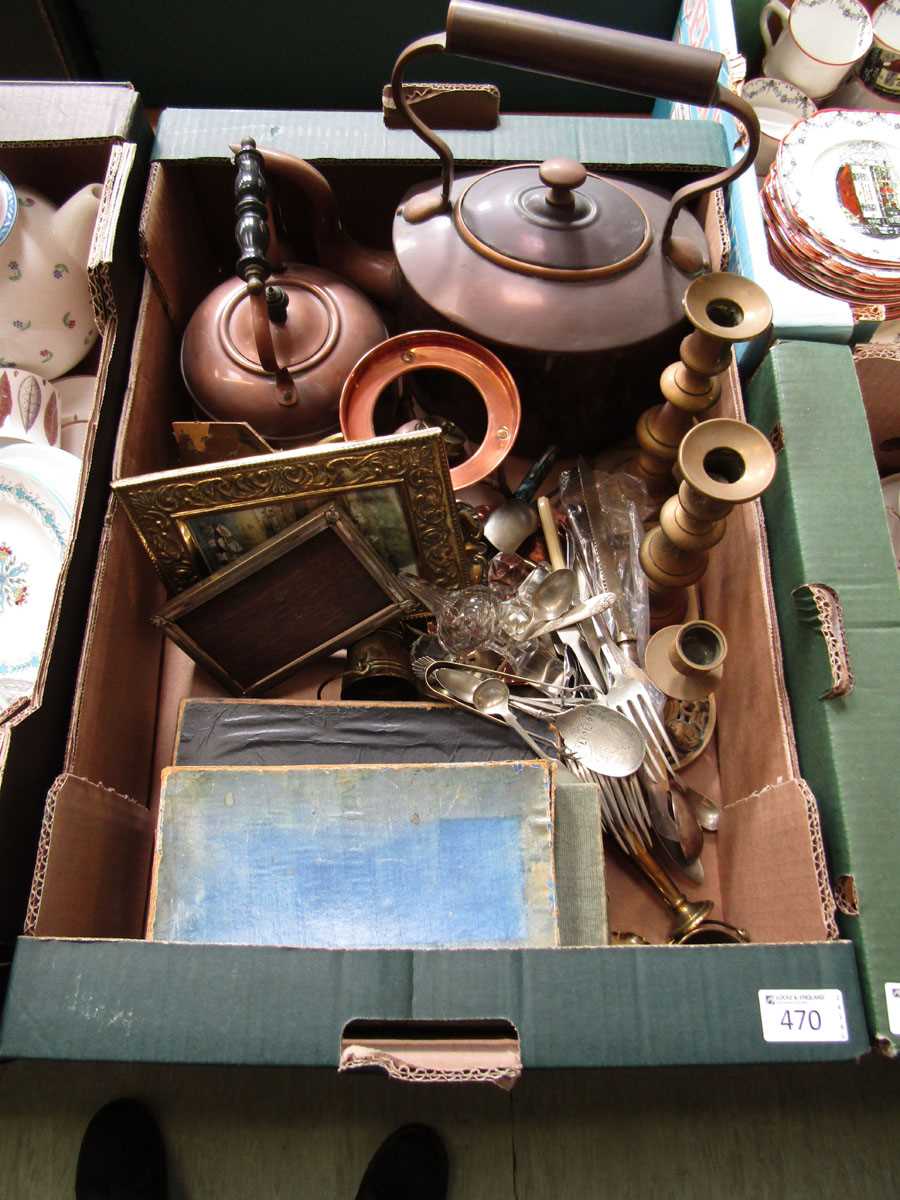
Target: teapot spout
x=373 y=271
x=73 y=223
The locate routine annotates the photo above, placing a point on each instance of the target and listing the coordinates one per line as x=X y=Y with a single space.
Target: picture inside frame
x=223 y=535
x=312 y=589
x=198 y=519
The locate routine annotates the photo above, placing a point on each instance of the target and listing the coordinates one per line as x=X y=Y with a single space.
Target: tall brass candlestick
x=724 y=309
x=722 y=463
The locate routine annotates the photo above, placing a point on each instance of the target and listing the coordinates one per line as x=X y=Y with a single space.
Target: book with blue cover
x=409 y=856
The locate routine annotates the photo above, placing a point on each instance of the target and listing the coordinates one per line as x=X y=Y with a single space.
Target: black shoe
x=122 y=1155
x=411 y=1164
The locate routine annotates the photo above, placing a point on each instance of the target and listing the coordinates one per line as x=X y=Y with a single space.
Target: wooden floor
x=818 y=1132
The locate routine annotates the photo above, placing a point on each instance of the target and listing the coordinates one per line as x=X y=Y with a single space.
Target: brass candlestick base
x=724 y=309
x=722 y=463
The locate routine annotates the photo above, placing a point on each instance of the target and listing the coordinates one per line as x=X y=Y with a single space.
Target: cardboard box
x=798 y=312
x=86 y=984
x=59 y=137
x=826 y=522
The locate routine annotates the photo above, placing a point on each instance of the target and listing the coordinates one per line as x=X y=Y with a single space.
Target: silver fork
x=630 y=694
x=624 y=804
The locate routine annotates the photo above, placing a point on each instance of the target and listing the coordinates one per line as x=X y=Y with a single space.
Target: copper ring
x=449 y=352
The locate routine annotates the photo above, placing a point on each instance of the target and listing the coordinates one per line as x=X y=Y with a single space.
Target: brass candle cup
x=724 y=309
x=723 y=462
x=686 y=661
x=378 y=668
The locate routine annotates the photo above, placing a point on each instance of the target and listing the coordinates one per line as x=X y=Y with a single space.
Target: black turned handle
x=252 y=225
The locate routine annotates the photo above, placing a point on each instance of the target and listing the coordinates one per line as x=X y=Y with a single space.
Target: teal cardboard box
x=838 y=604
x=57 y=138
x=86 y=982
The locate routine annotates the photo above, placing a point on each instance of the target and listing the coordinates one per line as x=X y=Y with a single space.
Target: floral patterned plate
x=34 y=534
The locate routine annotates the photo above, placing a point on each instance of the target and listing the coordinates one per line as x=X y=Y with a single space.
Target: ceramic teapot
x=273 y=345
x=560 y=271
x=46 y=319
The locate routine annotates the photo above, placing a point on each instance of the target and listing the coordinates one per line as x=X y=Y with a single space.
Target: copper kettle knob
x=561 y=176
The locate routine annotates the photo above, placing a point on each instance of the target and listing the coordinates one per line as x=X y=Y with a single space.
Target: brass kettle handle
x=630 y=62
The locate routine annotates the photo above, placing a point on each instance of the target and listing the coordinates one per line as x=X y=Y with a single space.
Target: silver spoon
x=677 y=829
x=565 y=576
x=592 y=607
x=553 y=596
x=492 y=698
x=603 y=739
x=706 y=811
x=462 y=685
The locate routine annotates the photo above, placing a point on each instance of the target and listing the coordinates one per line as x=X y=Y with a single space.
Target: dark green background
x=281 y=54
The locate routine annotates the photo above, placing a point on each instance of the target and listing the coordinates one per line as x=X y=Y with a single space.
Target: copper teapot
x=558 y=270
x=273 y=345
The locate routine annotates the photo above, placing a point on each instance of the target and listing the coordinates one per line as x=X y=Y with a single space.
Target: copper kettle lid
x=299 y=343
x=554 y=220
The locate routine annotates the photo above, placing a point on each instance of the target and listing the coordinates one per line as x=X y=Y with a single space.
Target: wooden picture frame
x=314 y=588
x=396 y=489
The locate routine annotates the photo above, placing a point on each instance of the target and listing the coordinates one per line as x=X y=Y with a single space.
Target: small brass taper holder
x=724 y=309
x=722 y=463
x=686 y=661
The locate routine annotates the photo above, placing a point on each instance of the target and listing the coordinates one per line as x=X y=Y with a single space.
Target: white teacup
x=29 y=409
x=820 y=42
x=881 y=68
x=779 y=106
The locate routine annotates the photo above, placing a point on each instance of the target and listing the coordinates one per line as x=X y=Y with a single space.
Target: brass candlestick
x=724 y=309
x=690 y=921
x=686 y=661
x=722 y=463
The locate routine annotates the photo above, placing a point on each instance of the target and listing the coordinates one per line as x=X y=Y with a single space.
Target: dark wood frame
x=329 y=518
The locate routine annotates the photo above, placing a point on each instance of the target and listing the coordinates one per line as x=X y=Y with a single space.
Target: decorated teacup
x=29 y=409
x=778 y=106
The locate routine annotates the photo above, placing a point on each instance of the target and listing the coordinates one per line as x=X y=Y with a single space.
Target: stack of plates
x=38 y=492
x=832 y=206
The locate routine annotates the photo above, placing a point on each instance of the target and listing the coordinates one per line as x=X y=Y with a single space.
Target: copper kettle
x=274 y=345
x=558 y=270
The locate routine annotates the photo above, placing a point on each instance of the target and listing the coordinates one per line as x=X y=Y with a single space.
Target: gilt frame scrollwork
x=161 y=505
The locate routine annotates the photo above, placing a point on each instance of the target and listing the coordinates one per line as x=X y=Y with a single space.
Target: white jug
x=46 y=320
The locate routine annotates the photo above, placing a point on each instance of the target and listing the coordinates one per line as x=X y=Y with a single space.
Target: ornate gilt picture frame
x=195 y=520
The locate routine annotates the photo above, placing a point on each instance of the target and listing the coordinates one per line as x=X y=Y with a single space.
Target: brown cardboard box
x=87 y=956
x=59 y=137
